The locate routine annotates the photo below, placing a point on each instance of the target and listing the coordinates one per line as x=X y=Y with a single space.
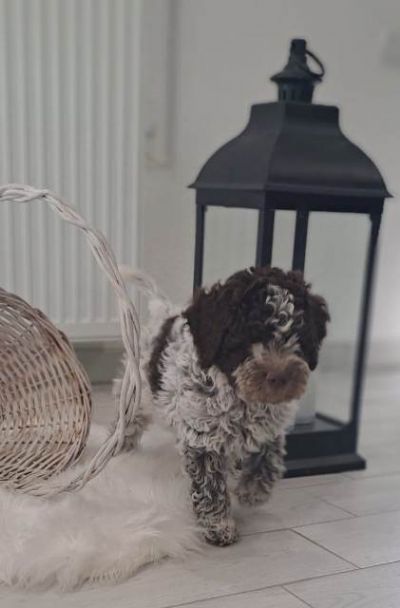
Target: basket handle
x=130 y=393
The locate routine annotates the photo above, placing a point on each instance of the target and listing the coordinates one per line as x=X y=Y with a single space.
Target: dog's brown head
x=263 y=328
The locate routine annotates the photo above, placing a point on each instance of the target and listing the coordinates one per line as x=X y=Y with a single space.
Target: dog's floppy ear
x=317 y=317
x=209 y=317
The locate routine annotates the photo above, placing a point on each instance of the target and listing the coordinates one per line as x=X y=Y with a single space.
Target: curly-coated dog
x=226 y=373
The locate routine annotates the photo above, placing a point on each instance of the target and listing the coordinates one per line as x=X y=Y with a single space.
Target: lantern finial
x=296 y=81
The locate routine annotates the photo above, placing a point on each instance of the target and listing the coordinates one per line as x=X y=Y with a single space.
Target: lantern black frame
x=292 y=155
x=328 y=445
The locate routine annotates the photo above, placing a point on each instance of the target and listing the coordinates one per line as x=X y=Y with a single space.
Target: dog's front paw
x=253 y=492
x=221 y=533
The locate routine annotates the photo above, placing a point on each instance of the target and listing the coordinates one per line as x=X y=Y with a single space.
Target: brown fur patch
x=228 y=318
x=271 y=377
x=153 y=366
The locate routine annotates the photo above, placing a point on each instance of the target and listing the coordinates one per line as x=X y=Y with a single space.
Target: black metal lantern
x=292 y=155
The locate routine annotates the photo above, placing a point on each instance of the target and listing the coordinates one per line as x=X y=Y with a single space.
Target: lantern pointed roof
x=293 y=145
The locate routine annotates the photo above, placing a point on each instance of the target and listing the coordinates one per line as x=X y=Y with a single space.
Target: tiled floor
x=322 y=542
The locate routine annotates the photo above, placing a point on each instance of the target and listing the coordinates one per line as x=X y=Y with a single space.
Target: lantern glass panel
x=230 y=241
x=282 y=251
x=335 y=264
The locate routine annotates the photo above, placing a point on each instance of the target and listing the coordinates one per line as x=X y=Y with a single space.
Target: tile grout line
x=346 y=481
x=308 y=579
x=356 y=515
x=290 y=529
x=332 y=575
x=281 y=585
x=349 y=476
x=310 y=485
x=325 y=548
x=227 y=595
x=297 y=597
x=331 y=504
x=380 y=565
x=285 y=585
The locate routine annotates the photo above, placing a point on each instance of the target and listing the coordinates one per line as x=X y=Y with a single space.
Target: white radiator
x=69 y=74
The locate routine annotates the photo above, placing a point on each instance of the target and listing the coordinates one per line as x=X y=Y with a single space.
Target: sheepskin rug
x=134 y=512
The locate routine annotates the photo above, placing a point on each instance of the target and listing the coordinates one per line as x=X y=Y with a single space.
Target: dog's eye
x=269 y=309
x=298 y=319
x=284 y=322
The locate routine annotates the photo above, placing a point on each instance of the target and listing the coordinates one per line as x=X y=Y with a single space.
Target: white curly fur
x=204 y=408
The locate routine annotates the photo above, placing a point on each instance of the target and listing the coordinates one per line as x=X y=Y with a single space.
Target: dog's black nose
x=278 y=379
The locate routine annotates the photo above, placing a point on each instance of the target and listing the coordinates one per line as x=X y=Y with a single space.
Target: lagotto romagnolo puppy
x=226 y=373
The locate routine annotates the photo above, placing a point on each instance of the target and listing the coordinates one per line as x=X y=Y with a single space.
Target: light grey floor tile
x=266 y=598
x=287 y=509
x=363 y=496
x=377 y=587
x=383 y=458
x=121 y=597
x=255 y=562
x=375 y=471
x=363 y=541
x=312 y=480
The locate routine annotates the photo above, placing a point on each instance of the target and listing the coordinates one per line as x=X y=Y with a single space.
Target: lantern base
x=326 y=445
x=325 y=464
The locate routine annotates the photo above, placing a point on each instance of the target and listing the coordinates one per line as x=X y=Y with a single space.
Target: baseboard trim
x=102 y=359
x=382 y=355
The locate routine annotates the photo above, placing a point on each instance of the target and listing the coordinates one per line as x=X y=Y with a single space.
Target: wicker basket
x=45 y=401
x=44 y=396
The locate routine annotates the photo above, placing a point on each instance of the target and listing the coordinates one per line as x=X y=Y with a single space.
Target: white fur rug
x=135 y=512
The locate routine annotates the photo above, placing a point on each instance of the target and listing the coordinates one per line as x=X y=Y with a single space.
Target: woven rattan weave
x=44 y=396
x=45 y=402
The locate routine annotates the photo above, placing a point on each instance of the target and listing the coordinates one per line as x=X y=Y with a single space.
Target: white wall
x=221 y=54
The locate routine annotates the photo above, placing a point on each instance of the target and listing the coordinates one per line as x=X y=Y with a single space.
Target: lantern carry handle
x=319 y=63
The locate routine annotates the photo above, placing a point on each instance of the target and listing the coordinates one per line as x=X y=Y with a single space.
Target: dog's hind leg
x=142 y=419
x=260 y=471
x=134 y=431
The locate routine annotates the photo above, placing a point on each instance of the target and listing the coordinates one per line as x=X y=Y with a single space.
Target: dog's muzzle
x=270 y=376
